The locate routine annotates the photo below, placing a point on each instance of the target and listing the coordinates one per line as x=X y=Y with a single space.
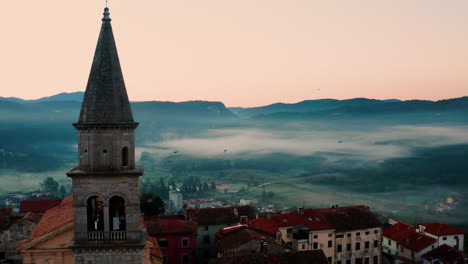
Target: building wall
x=52 y=251
x=389 y=246
x=322 y=240
x=17 y=232
x=414 y=255
x=358 y=236
x=175 y=251
x=206 y=250
x=451 y=240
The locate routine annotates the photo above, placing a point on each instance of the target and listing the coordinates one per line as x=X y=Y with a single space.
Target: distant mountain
x=417 y=110
x=73 y=97
x=304 y=106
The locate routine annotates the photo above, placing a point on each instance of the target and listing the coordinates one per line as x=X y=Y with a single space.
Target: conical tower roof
x=106 y=99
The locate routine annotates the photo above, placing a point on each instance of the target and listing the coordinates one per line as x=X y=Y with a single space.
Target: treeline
x=189 y=185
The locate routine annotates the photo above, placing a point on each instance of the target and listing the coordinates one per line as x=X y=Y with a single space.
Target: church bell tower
x=106 y=183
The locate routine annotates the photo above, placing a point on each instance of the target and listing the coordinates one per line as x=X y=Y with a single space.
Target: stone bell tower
x=106 y=186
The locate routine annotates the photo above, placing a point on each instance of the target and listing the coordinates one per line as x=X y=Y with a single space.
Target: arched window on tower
x=95 y=213
x=117 y=214
x=125 y=157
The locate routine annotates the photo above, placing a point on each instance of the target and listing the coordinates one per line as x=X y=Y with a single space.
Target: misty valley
x=402 y=158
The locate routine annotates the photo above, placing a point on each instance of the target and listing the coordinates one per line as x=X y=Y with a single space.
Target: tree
x=63 y=191
x=51 y=186
x=151 y=204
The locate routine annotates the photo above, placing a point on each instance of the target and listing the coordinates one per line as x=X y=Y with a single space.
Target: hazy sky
x=242 y=52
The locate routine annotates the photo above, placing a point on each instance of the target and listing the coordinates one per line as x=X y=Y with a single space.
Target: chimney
x=300 y=210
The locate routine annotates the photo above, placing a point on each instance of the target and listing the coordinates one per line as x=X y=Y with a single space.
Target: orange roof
x=53 y=219
x=155 y=250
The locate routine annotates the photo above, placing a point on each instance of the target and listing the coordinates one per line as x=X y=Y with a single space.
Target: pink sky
x=242 y=52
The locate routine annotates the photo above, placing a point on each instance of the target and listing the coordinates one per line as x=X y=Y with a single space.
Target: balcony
x=101 y=236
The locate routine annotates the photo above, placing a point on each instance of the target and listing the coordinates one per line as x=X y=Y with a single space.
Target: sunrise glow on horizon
x=242 y=53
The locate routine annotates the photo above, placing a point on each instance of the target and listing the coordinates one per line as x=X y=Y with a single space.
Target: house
x=445 y=254
x=38 y=206
x=405 y=244
x=444 y=234
x=52 y=236
x=211 y=220
x=244 y=240
x=14 y=228
x=357 y=236
x=176 y=237
x=296 y=257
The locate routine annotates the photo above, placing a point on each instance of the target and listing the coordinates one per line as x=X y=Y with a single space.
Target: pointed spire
x=106 y=99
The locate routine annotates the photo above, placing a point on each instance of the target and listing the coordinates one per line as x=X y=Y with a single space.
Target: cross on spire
x=106 y=2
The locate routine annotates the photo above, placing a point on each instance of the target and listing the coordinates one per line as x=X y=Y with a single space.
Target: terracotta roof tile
x=416 y=241
x=296 y=257
x=168 y=225
x=237 y=236
x=53 y=219
x=398 y=231
x=350 y=217
x=445 y=254
x=38 y=206
x=155 y=250
x=441 y=229
x=222 y=215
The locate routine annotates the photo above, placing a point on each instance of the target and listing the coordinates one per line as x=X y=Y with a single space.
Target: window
x=185 y=242
x=376 y=243
x=339 y=236
x=367 y=260
x=164 y=259
x=330 y=243
x=185 y=259
x=289 y=232
x=290 y=244
x=303 y=246
x=315 y=236
x=315 y=245
x=339 y=248
x=389 y=242
x=444 y=238
x=163 y=243
x=348 y=247
x=401 y=249
x=348 y=261
x=125 y=157
x=338 y=262
x=206 y=228
x=95 y=213
x=329 y=234
x=329 y=259
x=358 y=234
x=367 y=232
x=358 y=261
x=206 y=239
x=456 y=237
x=366 y=244
x=376 y=260
x=358 y=246
x=117 y=218
x=348 y=235
x=376 y=231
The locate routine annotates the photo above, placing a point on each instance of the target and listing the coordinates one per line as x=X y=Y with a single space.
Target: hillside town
x=101 y=221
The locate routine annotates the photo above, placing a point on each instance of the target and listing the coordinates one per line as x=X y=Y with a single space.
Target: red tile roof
x=398 y=231
x=445 y=254
x=408 y=236
x=416 y=241
x=296 y=257
x=53 y=219
x=237 y=236
x=168 y=225
x=38 y=206
x=310 y=218
x=441 y=229
x=218 y=216
x=350 y=217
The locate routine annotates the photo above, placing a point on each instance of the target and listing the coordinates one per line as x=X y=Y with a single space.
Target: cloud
x=377 y=144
